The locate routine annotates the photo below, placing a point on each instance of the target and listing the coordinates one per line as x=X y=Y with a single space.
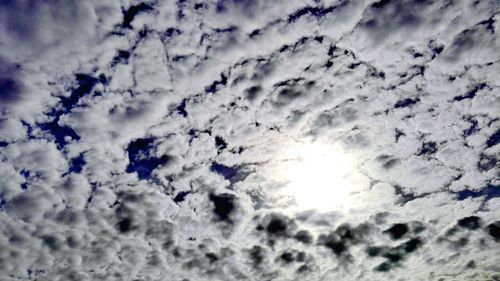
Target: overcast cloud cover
x=143 y=140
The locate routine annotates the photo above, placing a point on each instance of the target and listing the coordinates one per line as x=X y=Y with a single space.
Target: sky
x=249 y=140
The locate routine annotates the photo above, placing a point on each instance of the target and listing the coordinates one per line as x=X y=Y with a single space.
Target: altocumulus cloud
x=143 y=140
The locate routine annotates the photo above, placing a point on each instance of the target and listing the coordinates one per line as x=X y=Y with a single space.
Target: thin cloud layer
x=147 y=140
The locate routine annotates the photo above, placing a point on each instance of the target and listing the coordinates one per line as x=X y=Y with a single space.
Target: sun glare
x=320 y=176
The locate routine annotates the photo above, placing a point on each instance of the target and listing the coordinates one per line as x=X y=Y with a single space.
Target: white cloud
x=165 y=165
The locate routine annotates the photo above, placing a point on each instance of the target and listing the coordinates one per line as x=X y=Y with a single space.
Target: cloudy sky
x=249 y=140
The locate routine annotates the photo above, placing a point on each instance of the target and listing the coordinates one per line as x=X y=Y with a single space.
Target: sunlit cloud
x=319 y=176
x=249 y=140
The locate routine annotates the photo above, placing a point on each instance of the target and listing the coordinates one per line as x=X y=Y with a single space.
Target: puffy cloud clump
x=152 y=140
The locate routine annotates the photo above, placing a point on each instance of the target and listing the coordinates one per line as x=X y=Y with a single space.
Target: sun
x=320 y=176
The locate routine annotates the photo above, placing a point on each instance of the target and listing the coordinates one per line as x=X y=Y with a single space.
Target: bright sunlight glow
x=320 y=176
